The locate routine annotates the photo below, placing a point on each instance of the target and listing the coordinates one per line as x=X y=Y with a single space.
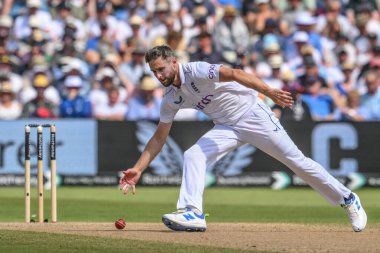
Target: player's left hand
x=280 y=97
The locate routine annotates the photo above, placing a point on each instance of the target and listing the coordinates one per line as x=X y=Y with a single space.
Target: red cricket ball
x=120 y=223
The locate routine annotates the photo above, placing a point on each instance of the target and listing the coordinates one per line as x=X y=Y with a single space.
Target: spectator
x=99 y=17
x=7 y=63
x=126 y=88
x=191 y=31
x=306 y=23
x=114 y=109
x=40 y=106
x=311 y=69
x=264 y=11
x=355 y=7
x=176 y=41
x=351 y=111
x=265 y=47
x=334 y=21
x=40 y=78
x=73 y=67
x=321 y=104
x=300 y=110
x=299 y=47
x=373 y=63
x=157 y=26
x=10 y=108
x=5 y=7
x=370 y=101
x=173 y=6
x=138 y=29
x=135 y=68
x=7 y=44
x=290 y=10
x=136 y=7
x=99 y=47
x=37 y=45
x=336 y=41
x=191 y=8
x=230 y=32
x=289 y=81
x=106 y=78
x=276 y=63
x=345 y=50
x=22 y=28
x=66 y=24
x=144 y=105
x=361 y=40
x=74 y=105
x=349 y=79
x=206 y=50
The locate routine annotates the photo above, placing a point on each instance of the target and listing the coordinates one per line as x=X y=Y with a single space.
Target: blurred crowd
x=85 y=58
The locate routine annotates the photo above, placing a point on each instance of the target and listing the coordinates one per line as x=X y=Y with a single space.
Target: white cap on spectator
x=105 y=72
x=74 y=63
x=275 y=61
x=273 y=47
x=158 y=41
x=34 y=21
x=6 y=87
x=136 y=20
x=263 y=70
x=305 y=18
x=5 y=21
x=33 y=3
x=73 y=82
x=112 y=58
x=300 y=36
x=199 y=12
x=261 y=1
x=148 y=84
x=162 y=6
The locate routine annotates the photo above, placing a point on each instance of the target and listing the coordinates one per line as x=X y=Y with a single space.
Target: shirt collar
x=181 y=74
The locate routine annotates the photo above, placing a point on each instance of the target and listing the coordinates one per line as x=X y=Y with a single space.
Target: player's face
x=163 y=70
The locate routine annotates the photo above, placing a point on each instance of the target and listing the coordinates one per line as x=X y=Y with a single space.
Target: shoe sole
x=178 y=227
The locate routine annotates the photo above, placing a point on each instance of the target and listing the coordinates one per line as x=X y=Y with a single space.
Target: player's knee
x=193 y=154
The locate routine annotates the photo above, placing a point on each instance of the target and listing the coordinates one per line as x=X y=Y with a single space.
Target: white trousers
x=260 y=128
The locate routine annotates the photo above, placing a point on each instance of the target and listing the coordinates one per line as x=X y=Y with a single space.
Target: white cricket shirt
x=223 y=102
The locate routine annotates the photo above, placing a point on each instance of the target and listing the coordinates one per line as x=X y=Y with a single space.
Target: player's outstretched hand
x=129 y=179
x=280 y=97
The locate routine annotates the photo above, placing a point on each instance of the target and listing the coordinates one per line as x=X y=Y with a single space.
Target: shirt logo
x=194 y=87
x=211 y=71
x=205 y=101
x=179 y=101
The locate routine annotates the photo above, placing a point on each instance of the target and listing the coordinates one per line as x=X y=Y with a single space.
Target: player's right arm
x=131 y=176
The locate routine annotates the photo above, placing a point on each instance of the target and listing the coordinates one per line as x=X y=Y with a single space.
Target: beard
x=168 y=81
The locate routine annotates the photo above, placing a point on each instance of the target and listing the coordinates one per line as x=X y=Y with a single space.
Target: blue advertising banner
x=95 y=152
x=76 y=146
x=347 y=150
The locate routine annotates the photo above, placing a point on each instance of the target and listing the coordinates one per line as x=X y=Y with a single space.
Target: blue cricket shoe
x=355 y=212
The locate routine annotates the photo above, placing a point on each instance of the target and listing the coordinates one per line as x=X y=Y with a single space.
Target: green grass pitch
x=105 y=204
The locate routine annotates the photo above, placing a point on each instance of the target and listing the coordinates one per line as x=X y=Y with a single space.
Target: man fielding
x=230 y=98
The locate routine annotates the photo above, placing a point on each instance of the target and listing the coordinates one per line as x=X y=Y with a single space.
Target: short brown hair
x=163 y=51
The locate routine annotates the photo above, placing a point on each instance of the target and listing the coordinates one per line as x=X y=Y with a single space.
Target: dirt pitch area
x=247 y=236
